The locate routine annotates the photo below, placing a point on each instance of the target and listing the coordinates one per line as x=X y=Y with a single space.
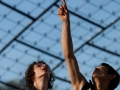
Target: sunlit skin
x=42 y=76
x=100 y=76
x=100 y=71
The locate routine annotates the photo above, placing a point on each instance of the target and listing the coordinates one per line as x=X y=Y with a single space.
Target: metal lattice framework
x=31 y=30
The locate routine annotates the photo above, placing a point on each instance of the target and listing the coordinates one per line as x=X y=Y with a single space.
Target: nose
x=44 y=65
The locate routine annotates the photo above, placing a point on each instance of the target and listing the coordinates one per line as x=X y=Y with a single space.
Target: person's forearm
x=66 y=39
x=67 y=47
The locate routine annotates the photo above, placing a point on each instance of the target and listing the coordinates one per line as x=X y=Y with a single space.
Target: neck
x=101 y=84
x=41 y=83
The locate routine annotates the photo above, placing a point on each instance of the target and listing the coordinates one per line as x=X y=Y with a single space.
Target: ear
x=112 y=76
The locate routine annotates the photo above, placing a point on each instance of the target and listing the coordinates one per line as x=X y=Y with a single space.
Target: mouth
x=44 y=69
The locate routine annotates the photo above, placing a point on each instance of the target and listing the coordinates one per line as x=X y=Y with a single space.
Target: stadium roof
x=30 y=30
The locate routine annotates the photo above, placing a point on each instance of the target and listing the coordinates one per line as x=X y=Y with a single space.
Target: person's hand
x=63 y=12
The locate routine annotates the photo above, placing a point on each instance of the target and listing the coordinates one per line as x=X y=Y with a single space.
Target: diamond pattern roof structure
x=30 y=30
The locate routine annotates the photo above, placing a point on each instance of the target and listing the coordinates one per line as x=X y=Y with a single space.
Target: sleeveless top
x=88 y=86
x=32 y=88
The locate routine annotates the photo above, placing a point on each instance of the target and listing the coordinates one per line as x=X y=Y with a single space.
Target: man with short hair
x=104 y=76
x=39 y=76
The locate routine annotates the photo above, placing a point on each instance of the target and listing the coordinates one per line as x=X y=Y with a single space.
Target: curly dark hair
x=29 y=75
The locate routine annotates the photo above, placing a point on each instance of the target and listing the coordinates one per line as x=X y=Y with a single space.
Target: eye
x=39 y=64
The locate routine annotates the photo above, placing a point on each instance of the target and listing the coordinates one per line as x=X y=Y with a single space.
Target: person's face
x=100 y=71
x=41 y=69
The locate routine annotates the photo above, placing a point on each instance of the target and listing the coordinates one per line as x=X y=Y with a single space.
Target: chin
x=95 y=75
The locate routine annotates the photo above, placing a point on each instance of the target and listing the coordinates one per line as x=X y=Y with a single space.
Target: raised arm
x=77 y=79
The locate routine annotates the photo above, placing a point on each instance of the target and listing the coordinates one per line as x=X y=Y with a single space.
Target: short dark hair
x=114 y=82
x=29 y=74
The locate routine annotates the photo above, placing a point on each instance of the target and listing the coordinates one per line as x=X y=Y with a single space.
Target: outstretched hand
x=63 y=12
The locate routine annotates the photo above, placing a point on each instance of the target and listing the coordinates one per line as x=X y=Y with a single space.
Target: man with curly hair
x=39 y=76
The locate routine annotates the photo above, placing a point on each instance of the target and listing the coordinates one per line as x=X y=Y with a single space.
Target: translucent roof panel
x=111 y=38
x=101 y=12
x=15 y=67
x=33 y=8
x=10 y=26
x=30 y=30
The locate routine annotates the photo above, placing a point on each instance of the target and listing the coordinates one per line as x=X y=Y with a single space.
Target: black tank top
x=88 y=86
x=32 y=88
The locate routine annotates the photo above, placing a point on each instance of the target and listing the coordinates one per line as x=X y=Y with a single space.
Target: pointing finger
x=64 y=3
